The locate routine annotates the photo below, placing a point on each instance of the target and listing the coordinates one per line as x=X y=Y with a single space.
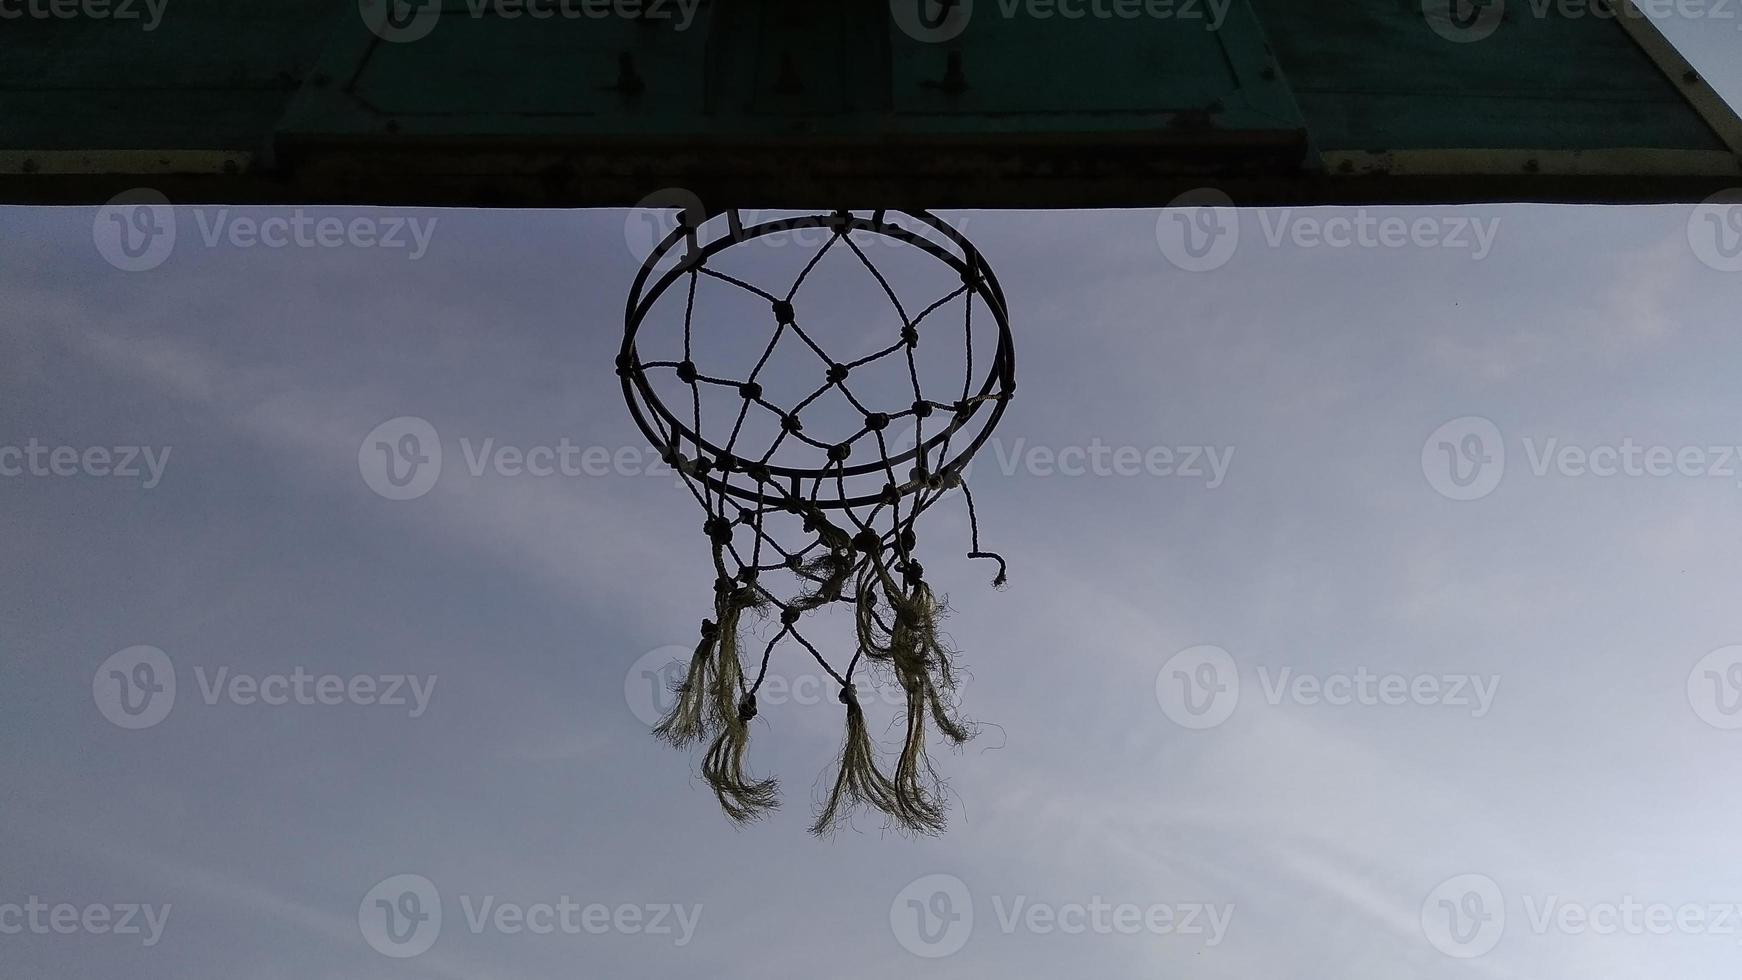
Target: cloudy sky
x=1412 y=655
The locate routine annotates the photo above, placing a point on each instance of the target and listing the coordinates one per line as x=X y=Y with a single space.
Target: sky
x=1371 y=612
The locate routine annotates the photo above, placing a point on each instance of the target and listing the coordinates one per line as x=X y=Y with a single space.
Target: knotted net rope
x=836 y=518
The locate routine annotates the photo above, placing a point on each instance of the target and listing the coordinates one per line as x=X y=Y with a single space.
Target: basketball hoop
x=837 y=518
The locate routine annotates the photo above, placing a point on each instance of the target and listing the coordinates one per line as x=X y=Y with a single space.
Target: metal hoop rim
x=971 y=265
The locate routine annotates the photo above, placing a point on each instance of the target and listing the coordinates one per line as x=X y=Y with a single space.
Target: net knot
x=847 y=695
x=789 y=616
x=877 y=421
x=718 y=529
x=839 y=452
x=750 y=390
x=783 y=312
x=867 y=541
x=686 y=372
x=910 y=335
x=710 y=629
x=747 y=708
x=838 y=373
x=922 y=410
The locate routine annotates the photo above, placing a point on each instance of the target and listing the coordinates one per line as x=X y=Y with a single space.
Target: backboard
x=855 y=103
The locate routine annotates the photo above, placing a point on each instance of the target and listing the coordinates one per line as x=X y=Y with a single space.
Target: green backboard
x=856 y=103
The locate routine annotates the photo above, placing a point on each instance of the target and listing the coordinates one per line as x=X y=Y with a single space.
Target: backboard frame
x=322 y=151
